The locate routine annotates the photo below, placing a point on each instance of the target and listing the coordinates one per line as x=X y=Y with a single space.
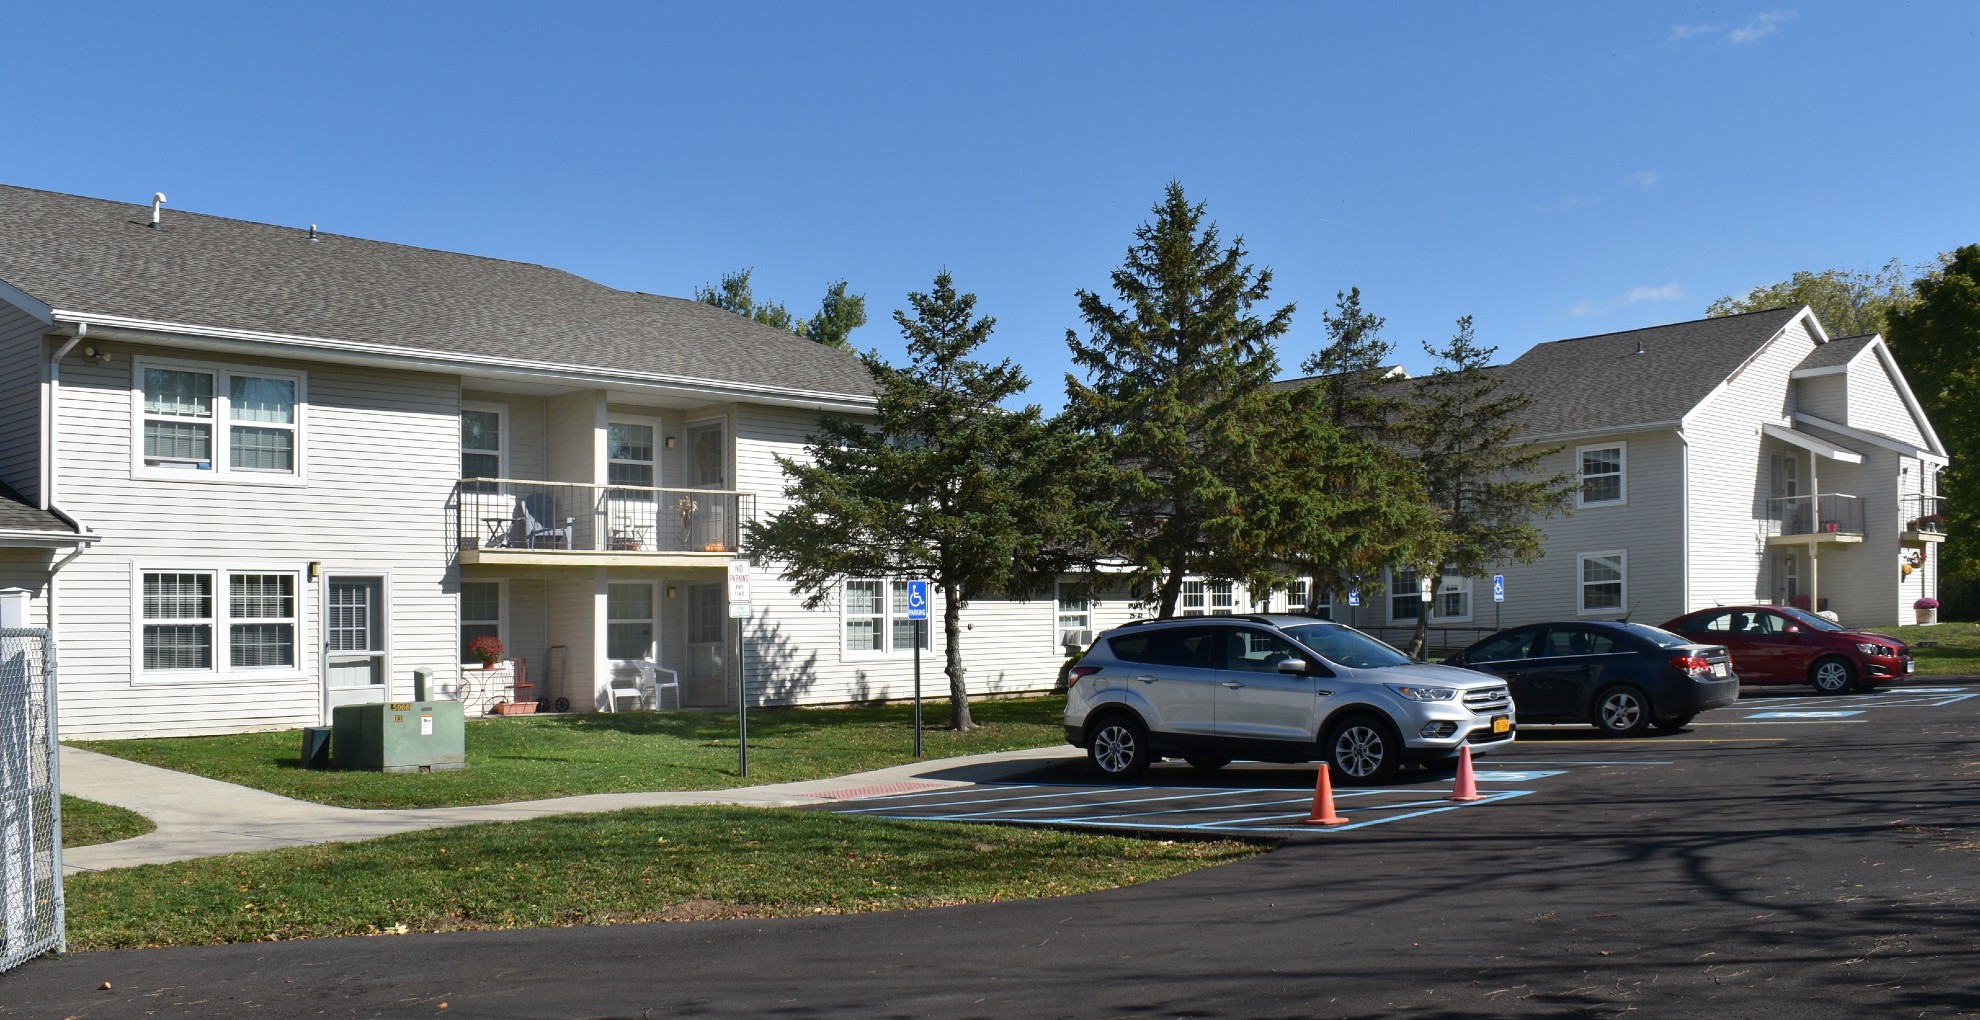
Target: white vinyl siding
x=1875 y=405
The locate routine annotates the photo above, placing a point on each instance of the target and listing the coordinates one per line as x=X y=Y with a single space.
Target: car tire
x=1675 y=723
x=1118 y=747
x=1621 y=711
x=1206 y=763
x=1363 y=750
x=1832 y=674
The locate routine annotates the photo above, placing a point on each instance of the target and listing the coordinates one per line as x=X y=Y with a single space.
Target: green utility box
x=401 y=736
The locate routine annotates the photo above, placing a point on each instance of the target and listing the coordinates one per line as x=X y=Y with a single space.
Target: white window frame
x=221 y=467
x=659 y=447
x=1060 y=614
x=1450 y=584
x=1621 y=475
x=1194 y=599
x=501 y=451
x=222 y=622
x=1394 y=590
x=501 y=617
x=652 y=621
x=893 y=609
x=1581 y=583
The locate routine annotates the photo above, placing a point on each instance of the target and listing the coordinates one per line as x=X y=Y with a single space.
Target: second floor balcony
x=506 y=520
x=1923 y=520
x=1819 y=517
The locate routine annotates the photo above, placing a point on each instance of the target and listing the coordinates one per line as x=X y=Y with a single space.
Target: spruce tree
x=941 y=483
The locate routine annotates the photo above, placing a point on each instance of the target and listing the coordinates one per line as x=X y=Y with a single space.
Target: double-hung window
x=1405 y=596
x=1601 y=473
x=208 y=621
x=483 y=438
x=1075 y=626
x=1604 y=580
x=219 y=422
x=875 y=617
x=1453 y=601
x=481 y=613
x=1212 y=598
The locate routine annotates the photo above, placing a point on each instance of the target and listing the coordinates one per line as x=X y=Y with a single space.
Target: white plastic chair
x=644 y=689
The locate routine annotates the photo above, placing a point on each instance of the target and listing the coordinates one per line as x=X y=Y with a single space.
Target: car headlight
x=1425 y=693
x=1873 y=649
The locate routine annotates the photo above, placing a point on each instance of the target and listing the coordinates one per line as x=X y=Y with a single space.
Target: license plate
x=1501 y=724
x=1719 y=670
x=1908 y=666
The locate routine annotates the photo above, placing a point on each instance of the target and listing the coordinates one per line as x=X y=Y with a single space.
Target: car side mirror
x=1294 y=666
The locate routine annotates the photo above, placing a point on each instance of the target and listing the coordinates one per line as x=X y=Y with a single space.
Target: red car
x=1783 y=645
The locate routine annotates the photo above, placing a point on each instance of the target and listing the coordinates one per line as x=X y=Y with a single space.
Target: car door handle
x=1147 y=678
x=1323 y=694
x=1233 y=685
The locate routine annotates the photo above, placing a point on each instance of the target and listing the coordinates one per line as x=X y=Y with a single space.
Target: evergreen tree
x=1179 y=405
x=1350 y=371
x=1936 y=341
x=1485 y=484
x=942 y=483
x=733 y=294
x=837 y=317
x=838 y=314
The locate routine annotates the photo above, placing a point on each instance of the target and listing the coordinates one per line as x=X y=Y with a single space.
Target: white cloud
x=1582 y=309
x=1762 y=26
x=1667 y=292
x=1642 y=178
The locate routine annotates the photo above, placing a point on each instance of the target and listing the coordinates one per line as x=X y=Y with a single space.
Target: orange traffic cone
x=1323 y=801
x=1467 y=787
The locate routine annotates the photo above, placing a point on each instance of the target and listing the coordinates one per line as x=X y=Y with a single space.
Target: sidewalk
x=200 y=817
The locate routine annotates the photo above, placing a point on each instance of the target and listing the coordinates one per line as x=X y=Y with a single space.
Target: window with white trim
x=1405 y=596
x=1453 y=600
x=484 y=441
x=875 y=617
x=1213 y=598
x=1300 y=600
x=629 y=614
x=184 y=411
x=181 y=617
x=1601 y=473
x=629 y=453
x=481 y=613
x=1075 y=622
x=1604 y=581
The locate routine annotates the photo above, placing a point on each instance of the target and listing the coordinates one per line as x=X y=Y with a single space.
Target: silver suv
x=1211 y=690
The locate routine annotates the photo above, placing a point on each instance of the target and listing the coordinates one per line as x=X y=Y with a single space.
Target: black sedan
x=1621 y=677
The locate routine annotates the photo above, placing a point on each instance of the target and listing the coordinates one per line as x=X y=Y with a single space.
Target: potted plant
x=487 y=648
x=686 y=506
x=1928 y=610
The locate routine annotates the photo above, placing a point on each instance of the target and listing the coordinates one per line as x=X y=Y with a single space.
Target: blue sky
x=1553 y=169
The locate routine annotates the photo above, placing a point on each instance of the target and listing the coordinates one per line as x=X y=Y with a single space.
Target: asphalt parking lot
x=1766 y=862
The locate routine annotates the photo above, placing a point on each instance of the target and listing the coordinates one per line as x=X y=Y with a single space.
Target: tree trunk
x=1172 y=582
x=959 y=719
x=1419 y=640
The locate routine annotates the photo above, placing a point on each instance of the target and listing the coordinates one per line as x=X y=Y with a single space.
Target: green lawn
x=672 y=864
x=1941 y=648
x=532 y=757
x=87 y=823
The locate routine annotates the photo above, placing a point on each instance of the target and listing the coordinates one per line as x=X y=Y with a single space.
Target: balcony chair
x=539 y=521
x=644 y=689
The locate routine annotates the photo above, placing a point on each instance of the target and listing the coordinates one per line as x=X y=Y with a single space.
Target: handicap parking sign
x=917 y=600
x=1354 y=596
x=1498 y=587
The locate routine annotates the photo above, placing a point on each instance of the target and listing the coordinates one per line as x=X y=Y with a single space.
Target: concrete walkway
x=200 y=817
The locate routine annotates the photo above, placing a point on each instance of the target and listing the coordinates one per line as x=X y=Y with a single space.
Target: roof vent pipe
x=312 y=231
x=1639 y=347
x=157 y=199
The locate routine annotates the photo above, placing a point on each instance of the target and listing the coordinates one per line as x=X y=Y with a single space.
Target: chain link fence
x=30 y=800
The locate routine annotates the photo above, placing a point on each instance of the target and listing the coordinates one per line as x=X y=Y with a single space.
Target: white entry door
x=354 y=643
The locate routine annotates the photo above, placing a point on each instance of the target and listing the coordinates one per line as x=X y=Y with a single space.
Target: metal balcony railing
x=1923 y=513
x=508 y=513
x=1830 y=513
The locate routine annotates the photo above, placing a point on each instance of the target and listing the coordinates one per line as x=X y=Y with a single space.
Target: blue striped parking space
x=1236 y=810
x=1792 y=707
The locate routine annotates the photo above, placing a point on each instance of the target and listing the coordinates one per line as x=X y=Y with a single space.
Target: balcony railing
x=1923 y=514
x=1827 y=513
x=532 y=516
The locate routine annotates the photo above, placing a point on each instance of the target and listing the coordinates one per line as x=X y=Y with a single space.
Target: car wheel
x=1363 y=750
x=1119 y=747
x=1621 y=711
x=1206 y=763
x=1832 y=675
x=1676 y=722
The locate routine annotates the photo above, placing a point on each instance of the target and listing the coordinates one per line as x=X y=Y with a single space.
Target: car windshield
x=1655 y=635
x=1808 y=619
x=1346 y=646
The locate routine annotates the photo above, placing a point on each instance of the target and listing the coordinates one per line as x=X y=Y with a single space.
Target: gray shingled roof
x=1601 y=383
x=17 y=514
x=92 y=256
x=1837 y=352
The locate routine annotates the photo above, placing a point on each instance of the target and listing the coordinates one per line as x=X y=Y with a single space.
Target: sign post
x=739 y=610
x=918 y=614
x=1498 y=596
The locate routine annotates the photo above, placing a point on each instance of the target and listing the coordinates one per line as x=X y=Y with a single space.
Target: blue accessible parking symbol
x=917 y=606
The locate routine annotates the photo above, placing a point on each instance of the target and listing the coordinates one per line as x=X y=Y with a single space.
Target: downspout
x=52 y=427
x=1684 y=520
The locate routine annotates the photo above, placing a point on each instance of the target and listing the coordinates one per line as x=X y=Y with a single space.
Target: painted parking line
x=1806 y=715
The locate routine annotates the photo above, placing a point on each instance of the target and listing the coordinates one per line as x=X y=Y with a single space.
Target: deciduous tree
x=1936 y=341
x=1849 y=302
